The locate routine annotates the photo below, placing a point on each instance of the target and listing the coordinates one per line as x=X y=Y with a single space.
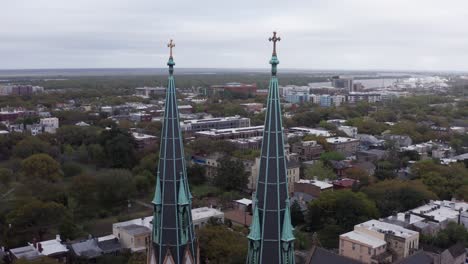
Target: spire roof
x=287 y=234
x=272 y=184
x=173 y=227
x=255 y=227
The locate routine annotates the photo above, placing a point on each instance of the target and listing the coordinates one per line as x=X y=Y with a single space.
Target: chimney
x=57 y=237
x=407 y=217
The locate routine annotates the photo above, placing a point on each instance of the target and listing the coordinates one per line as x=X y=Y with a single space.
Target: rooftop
x=136 y=229
x=321 y=184
x=364 y=239
x=230 y=130
x=212 y=120
x=332 y=140
x=387 y=228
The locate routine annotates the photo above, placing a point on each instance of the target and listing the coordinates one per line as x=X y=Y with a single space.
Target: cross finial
x=170 y=45
x=274 y=39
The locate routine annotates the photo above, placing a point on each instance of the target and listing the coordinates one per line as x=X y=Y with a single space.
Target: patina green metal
x=271 y=238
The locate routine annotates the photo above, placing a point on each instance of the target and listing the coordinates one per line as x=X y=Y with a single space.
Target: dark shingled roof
x=457 y=250
x=322 y=256
x=418 y=258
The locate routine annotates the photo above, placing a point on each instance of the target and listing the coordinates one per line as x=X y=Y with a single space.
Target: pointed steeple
x=157 y=192
x=287 y=234
x=182 y=199
x=276 y=243
x=255 y=227
x=173 y=235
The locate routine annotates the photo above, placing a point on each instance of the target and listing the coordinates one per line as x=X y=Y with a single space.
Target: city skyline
x=356 y=35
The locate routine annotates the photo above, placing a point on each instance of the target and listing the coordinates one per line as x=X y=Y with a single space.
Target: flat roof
x=439 y=213
x=364 y=239
x=244 y=201
x=383 y=227
x=340 y=139
x=197 y=213
x=136 y=229
x=215 y=119
x=321 y=184
x=230 y=130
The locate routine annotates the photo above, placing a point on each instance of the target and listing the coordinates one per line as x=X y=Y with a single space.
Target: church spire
x=173 y=238
x=271 y=239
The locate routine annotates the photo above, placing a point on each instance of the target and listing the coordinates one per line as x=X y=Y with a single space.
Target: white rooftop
x=140 y=136
x=365 y=239
x=244 y=201
x=197 y=213
x=321 y=184
x=439 y=213
x=53 y=246
x=340 y=139
x=383 y=227
x=230 y=130
x=205 y=212
x=211 y=120
x=313 y=131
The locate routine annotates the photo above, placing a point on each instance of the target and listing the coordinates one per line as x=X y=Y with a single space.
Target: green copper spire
x=255 y=227
x=287 y=234
x=271 y=240
x=182 y=199
x=157 y=192
x=173 y=239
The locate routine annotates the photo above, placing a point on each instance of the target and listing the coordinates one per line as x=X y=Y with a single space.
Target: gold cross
x=170 y=45
x=274 y=39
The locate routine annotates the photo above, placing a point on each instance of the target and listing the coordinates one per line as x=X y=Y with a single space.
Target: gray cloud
x=319 y=34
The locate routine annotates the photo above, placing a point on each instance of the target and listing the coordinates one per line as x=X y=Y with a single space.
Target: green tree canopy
x=35 y=218
x=231 y=175
x=31 y=145
x=119 y=148
x=445 y=181
x=41 y=167
x=343 y=208
x=196 y=174
x=393 y=196
x=320 y=171
x=221 y=245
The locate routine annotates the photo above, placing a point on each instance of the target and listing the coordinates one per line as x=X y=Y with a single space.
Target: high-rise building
x=344 y=83
x=173 y=237
x=271 y=238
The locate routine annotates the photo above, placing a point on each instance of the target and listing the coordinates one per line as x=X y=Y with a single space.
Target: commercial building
x=312 y=187
x=50 y=124
x=147 y=92
x=236 y=88
x=343 y=145
x=310 y=131
x=342 y=83
x=307 y=150
x=356 y=97
x=231 y=133
x=144 y=141
x=196 y=125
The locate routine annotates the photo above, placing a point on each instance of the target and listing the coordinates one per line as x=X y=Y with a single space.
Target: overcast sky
x=316 y=34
